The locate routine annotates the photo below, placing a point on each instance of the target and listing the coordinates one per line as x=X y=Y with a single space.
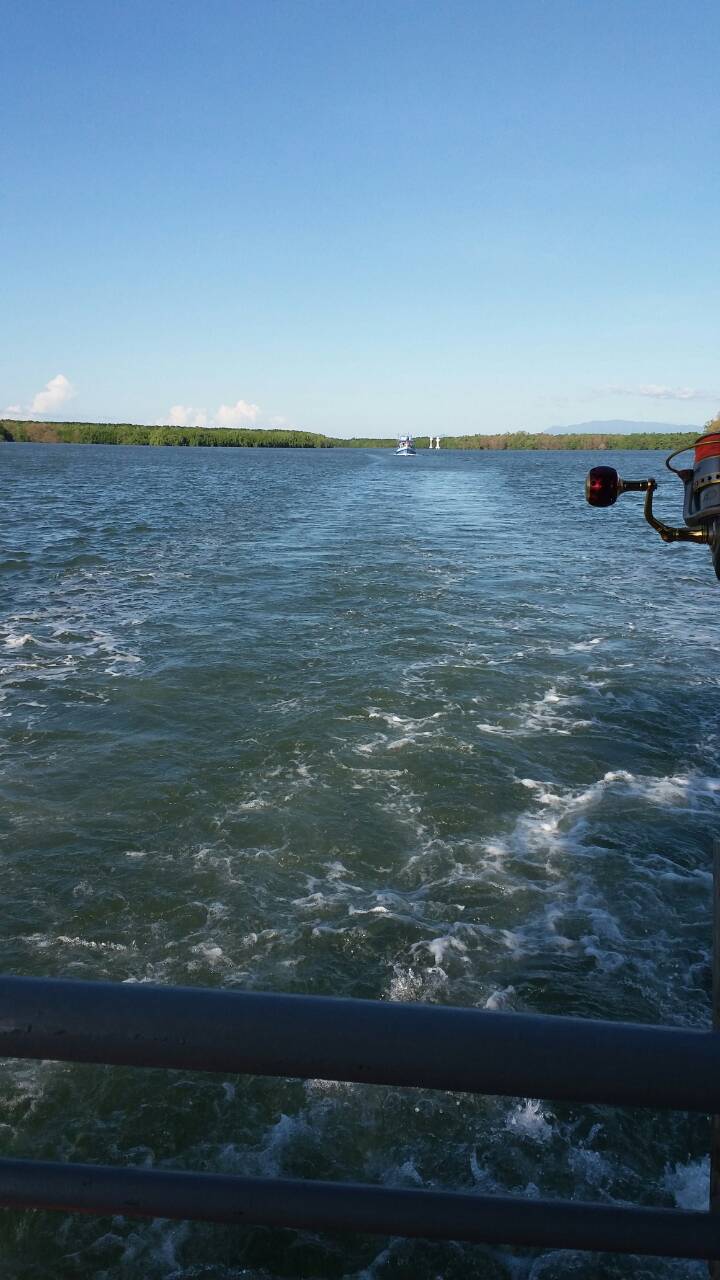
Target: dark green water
x=336 y=722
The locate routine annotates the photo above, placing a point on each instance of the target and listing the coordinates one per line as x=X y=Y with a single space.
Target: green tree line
x=540 y=440
x=193 y=437
x=261 y=438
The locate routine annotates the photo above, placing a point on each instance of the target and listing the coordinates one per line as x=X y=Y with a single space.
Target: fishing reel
x=701 y=482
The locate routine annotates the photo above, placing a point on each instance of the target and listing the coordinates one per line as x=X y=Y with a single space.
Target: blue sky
x=360 y=216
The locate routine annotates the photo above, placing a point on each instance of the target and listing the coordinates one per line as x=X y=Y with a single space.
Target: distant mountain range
x=621 y=426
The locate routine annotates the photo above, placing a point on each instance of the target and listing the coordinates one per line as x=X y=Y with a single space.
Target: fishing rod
x=701 y=484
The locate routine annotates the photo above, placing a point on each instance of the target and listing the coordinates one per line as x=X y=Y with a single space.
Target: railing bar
x=331 y=1206
x=365 y=1041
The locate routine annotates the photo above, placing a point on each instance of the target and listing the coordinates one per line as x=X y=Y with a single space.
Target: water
x=336 y=722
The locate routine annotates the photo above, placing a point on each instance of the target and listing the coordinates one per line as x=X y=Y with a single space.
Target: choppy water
x=337 y=722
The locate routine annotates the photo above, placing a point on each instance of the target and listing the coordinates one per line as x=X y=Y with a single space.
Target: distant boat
x=406 y=447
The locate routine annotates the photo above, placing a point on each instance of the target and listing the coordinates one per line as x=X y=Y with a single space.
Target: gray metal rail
x=367 y=1041
x=332 y=1206
x=417 y=1045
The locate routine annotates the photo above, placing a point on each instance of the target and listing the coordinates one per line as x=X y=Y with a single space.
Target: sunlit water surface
x=339 y=722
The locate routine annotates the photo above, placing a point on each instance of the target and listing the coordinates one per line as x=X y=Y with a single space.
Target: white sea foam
x=15 y=641
x=590 y=1166
x=211 y=953
x=529 y=1119
x=409 y=724
x=408 y=985
x=43 y=941
x=547 y=714
x=441 y=948
x=62 y=645
x=689 y=1184
x=665 y=792
x=328 y=1088
x=154 y=1247
x=500 y=999
x=270 y=1158
x=404 y=1175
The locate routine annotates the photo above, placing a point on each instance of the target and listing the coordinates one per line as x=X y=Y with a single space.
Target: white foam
x=44 y=941
x=559 y=820
x=408 y=724
x=528 y=1118
x=408 y=985
x=14 y=641
x=441 y=947
x=689 y=1184
x=590 y=1165
x=482 y=1179
x=328 y=1088
x=607 y=960
x=210 y=952
x=405 y=1175
x=500 y=999
x=279 y=1137
x=548 y=714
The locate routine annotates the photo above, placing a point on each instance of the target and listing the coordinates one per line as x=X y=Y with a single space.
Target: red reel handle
x=603 y=486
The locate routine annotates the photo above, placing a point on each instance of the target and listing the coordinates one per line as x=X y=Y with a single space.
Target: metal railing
x=435 y=1047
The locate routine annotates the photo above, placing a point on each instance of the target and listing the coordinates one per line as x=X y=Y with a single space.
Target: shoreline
x=16 y=431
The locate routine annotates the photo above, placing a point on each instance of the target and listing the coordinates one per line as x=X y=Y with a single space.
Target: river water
x=339 y=722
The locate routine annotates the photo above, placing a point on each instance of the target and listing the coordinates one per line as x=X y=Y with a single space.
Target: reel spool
x=701 y=482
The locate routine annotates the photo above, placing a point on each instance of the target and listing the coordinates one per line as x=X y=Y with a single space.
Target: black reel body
x=701 y=483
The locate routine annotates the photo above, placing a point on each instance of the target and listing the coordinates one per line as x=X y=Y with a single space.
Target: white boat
x=406 y=447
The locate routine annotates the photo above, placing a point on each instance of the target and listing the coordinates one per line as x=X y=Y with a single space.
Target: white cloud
x=12 y=411
x=240 y=414
x=237 y=415
x=183 y=415
x=658 y=391
x=56 y=392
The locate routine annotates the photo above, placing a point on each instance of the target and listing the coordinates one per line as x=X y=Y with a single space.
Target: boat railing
x=370 y=1042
